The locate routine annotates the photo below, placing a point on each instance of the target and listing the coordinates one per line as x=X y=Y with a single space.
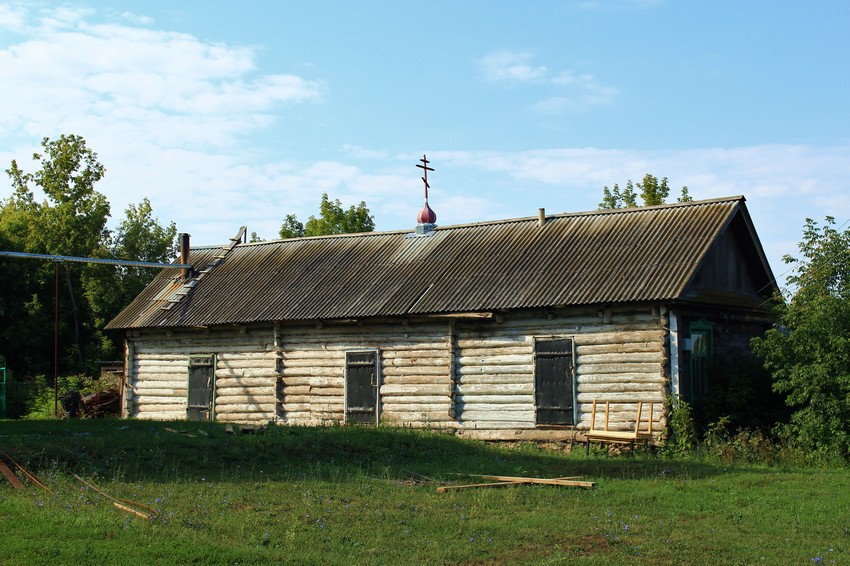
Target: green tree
x=291 y=227
x=71 y=221
x=652 y=191
x=808 y=351
x=139 y=237
x=332 y=219
x=56 y=210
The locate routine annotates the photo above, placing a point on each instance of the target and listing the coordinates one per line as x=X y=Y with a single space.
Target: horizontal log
x=564 y=330
x=499 y=350
x=495 y=341
x=630 y=347
x=512 y=430
x=291 y=352
x=417 y=362
x=465 y=409
x=623 y=378
x=518 y=359
x=405 y=411
x=160 y=400
x=245 y=400
x=164 y=369
x=500 y=378
x=141 y=393
x=417 y=379
x=269 y=375
x=224 y=382
x=198 y=345
x=158 y=357
x=657 y=397
x=247 y=418
x=618 y=368
x=159 y=415
x=160 y=384
x=424 y=370
x=495 y=370
x=618 y=337
x=437 y=419
x=622 y=358
x=499 y=388
x=311 y=371
x=366 y=339
x=327 y=392
x=514 y=433
x=649 y=388
x=267 y=408
x=524 y=416
x=409 y=389
x=291 y=390
x=495 y=399
x=327 y=362
x=157 y=376
x=391 y=353
x=416 y=399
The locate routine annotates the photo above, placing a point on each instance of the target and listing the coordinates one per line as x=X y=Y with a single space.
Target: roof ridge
x=500 y=221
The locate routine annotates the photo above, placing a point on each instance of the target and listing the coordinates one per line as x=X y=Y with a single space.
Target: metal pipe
x=184 y=255
x=128 y=263
x=56 y=343
x=541 y=217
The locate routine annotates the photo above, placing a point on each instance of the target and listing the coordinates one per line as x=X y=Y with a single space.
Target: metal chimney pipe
x=541 y=217
x=184 y=254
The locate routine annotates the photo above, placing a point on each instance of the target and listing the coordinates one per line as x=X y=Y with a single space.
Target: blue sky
x=226 y=114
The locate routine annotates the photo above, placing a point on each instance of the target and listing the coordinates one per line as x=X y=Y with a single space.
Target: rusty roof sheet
x=599 y=257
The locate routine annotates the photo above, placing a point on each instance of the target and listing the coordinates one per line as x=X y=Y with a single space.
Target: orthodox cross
x=425 y=168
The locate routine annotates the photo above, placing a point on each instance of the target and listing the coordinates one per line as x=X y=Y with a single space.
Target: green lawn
x=358 y=495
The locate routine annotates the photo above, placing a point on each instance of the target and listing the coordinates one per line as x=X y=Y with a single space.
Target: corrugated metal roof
x=600 y=257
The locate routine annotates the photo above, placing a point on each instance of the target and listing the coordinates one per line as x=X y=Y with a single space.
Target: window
x=701 y=342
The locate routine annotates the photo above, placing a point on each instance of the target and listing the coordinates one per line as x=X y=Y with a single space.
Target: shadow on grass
x=136 y=451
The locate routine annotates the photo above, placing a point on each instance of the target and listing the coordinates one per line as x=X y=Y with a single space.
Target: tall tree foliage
x=652 y=191
x=332 y=219
x=56 y=210
x=808 y=352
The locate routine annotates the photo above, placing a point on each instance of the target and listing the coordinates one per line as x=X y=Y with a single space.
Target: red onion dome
x=426 y=215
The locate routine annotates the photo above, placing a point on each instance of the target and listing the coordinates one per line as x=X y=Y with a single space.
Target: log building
x=503 y=330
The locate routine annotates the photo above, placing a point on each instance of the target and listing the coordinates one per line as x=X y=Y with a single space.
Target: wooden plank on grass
x=444 y=488
x=145 y=516
x=553 y=481
x=12 y=478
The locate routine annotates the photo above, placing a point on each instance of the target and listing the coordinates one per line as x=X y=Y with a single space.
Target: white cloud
x=136 y=18
x=511 y=66
x=164 y=87
x=783 y=184
x=569 y=91
x=12 y=18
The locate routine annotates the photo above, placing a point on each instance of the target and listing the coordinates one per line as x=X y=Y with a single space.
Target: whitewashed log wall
x=416 y=386
x=623 y=362
x=158 y=374
x=470 y=376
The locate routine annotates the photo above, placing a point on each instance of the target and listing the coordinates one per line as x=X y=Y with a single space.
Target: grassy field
x=365 y=496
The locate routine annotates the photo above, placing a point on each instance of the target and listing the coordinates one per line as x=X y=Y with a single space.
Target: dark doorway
x=201 y=385
x=553 y=382
x=361 y=387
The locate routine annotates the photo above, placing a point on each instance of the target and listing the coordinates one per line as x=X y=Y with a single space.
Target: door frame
x=572 y=375
x=211 y=405
x=376 y=385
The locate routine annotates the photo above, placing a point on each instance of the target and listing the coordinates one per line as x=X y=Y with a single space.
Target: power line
x=123 y=262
